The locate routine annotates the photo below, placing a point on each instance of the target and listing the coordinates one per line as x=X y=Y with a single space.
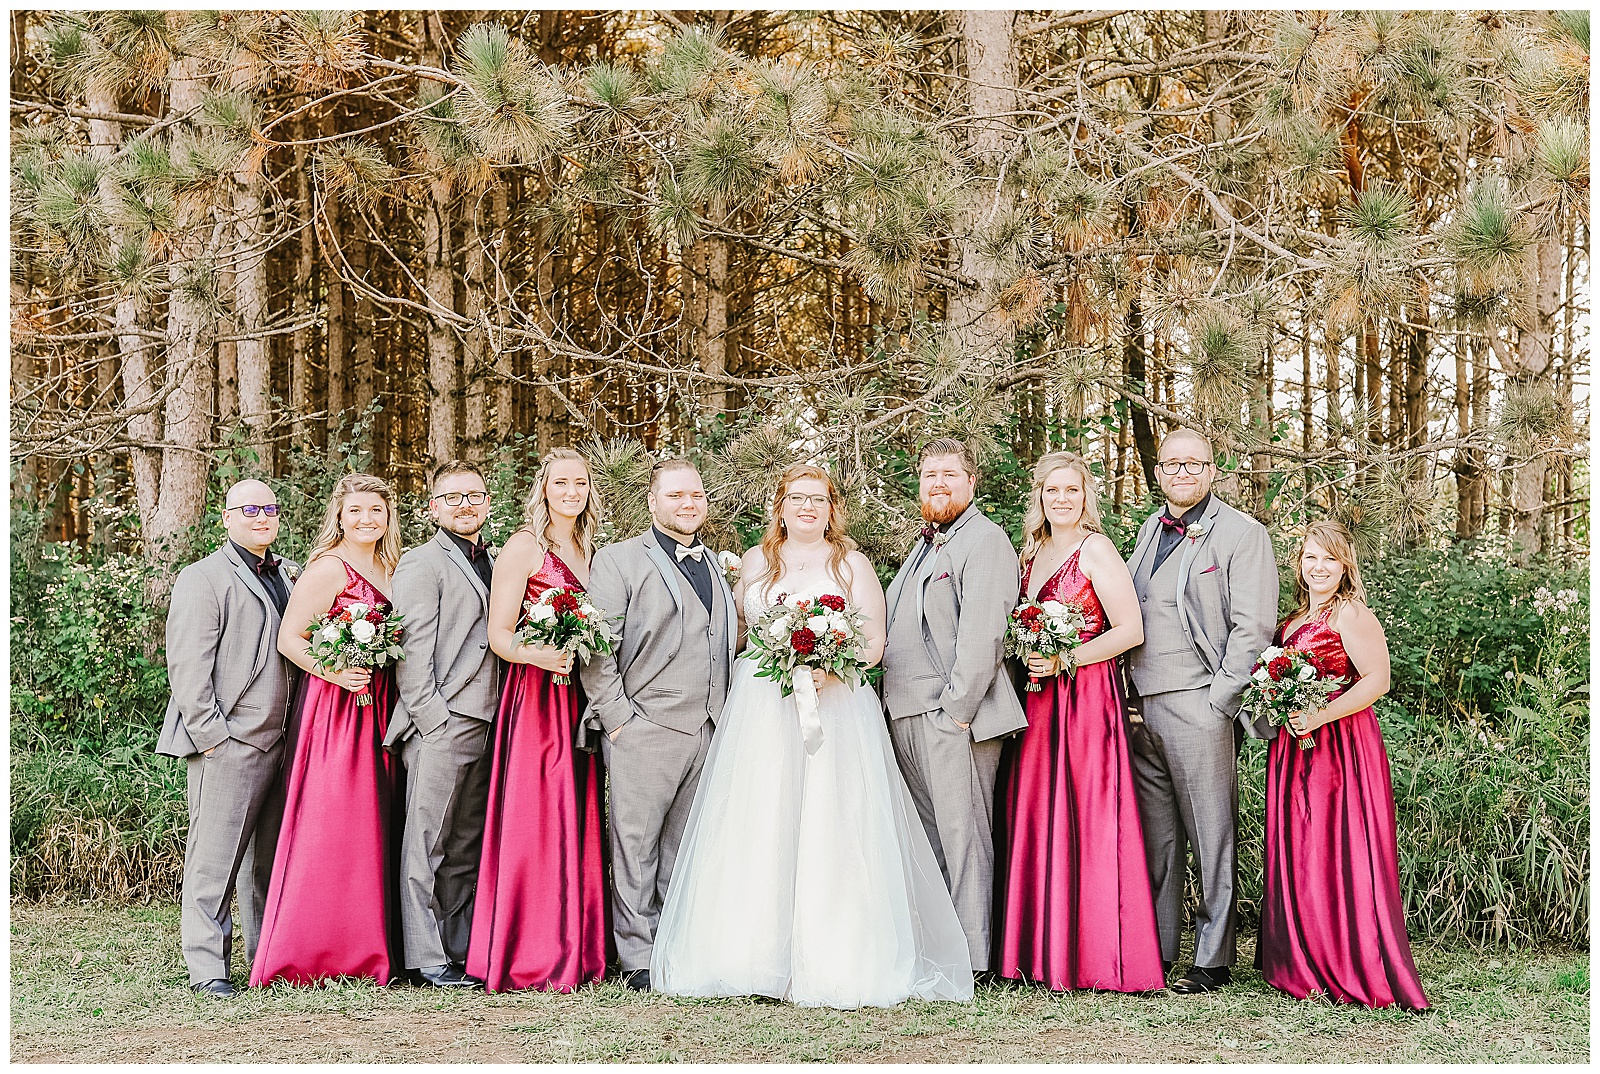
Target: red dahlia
x=564 y=603
x=1278 y=667
x=832 y=601
x=1030 y=613
x=803 y=641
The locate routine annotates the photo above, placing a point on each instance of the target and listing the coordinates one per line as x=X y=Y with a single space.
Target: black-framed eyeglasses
x=1194 y=469
x=453 y=499
x=251 y=510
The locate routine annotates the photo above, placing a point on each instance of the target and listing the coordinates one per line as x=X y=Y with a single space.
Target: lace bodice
x=756 y=602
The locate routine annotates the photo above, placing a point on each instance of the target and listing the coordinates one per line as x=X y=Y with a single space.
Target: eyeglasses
x=454 y=499
x=251 y=510
x=1193 y=468
x=795 y=499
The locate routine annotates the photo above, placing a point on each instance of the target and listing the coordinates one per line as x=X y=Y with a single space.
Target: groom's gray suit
x=448 y=687
x=664 y=688
x=941 y=668
x=1208 y=611
x=230 y=696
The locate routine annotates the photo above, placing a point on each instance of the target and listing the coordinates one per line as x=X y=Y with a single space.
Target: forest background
x=1353 y=248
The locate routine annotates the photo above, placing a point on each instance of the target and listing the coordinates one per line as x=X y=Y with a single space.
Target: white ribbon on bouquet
x=805 y=702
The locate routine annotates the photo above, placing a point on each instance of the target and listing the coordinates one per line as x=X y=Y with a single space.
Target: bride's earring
x=783 y=527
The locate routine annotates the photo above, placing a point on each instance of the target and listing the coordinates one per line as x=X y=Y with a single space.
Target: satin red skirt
x=1332 y=916
x=542 y=916
x=1075 y=909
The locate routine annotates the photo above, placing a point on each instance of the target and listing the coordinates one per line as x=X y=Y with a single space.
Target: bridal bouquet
x=794 y=636
x=1046 y=627
x=360 y=636
x=1286 y=681
x=826 y=633
x=563 y=618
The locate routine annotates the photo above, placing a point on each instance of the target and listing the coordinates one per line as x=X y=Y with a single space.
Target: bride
x=807 y=877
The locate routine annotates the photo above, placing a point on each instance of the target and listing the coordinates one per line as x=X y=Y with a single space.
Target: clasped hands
x=1043 y=667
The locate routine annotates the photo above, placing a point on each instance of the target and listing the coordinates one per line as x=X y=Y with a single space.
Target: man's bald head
x=248 y=491
x=252 y=534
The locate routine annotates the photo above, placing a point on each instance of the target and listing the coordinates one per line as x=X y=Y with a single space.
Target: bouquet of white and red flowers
x=796 y=635
x=563 y=618
x=360 y=636
x=827 y=633
x=1286 y=681
x=1046 y=627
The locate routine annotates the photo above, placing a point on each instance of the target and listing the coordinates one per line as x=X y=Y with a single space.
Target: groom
x=449 y=690
x=658 y=696
x=230 y=700
x=949 y=705
x=1208 y=593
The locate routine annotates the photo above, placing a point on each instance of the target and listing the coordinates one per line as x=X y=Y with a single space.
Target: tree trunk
x=332 y=242
x=303 y=339
x=988 y=45
x=505 y=420
x=1532 y=375
x=253 y=350
x=476 y=348
x=187 y=377
x=1133 y=359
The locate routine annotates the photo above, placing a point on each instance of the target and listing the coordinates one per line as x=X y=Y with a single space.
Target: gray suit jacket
x=1227 y=599
x=637 y=582
x=223 y=666
x=448 y=666
x=947 y=651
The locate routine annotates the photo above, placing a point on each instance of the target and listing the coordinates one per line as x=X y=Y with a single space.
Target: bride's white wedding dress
x=806 y=878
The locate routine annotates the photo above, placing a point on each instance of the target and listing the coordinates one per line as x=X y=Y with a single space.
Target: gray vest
x=1167 y=660
x=911 y=674
x=705 y=644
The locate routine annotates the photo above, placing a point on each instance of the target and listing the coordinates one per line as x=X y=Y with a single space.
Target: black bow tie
x=265 y=565
x=1172 y=523
x=929 y=532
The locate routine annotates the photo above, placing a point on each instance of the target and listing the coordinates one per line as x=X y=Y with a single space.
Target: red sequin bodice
x=1069 y=585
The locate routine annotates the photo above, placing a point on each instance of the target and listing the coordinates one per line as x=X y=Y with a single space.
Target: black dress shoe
x=638 y=980
x=1202 y=979
x=221 y=988
x=443 y=977
x=1166 y=968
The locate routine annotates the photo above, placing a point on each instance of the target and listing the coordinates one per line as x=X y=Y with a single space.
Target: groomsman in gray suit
x=1208 y=592
x=448 y=693
x=230 y=700
x=949 y=704
x=658 y=696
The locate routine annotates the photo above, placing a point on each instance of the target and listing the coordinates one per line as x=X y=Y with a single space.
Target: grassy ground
x=104 y=983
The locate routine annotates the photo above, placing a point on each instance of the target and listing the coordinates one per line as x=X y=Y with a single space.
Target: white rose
x=357 y=610
x=1270 y=653
x=729 y=561
x=542 y=613
x=778 y=631
x=330 y=632
x=1261 y=675
x=1053 y=608
x=362 y=631
x=1307 y=673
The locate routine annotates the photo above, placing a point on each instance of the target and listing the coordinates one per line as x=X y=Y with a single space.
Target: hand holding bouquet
x=1286 y=681
x=360 y=636
x=1049 y=628
x=563 y=618
x=795 y=636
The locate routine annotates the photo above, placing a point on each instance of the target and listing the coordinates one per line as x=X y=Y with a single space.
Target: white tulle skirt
x=808 y=879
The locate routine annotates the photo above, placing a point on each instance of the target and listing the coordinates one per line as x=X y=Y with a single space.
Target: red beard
x=948 y=515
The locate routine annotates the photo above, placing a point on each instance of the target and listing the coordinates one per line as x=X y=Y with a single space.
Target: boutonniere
x=1194 y=531
x=730 y=564
x=291 y=572
x=941 y=539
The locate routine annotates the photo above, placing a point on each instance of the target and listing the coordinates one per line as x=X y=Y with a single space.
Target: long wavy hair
x=331 y=532
x=1035 y=526
x=772 y=541
x=1335 y=540
x=536 y=512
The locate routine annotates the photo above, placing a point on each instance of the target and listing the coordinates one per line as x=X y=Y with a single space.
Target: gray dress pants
x=447 y=796
x=652 y=773
x=1186 y=776
x=235 y=811
x=951 y=779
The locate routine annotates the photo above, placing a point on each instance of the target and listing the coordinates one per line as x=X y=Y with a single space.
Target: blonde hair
x=1335 y=540
x=331 y=532
x=772 y=541
x=1035 y=526
x=536 y=512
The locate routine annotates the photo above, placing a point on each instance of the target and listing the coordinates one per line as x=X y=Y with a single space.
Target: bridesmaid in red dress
x=542 y=917
x=1075 y=905
x=1332 y=916
x=330 y=908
